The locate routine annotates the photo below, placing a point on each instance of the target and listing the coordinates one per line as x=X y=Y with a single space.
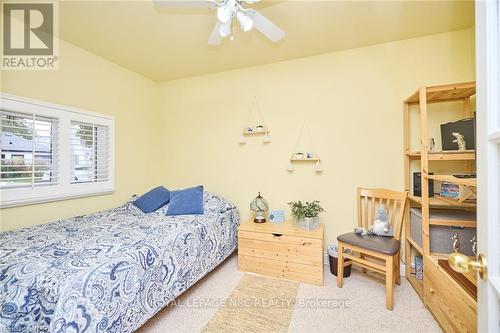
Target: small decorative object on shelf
x=460 y=141
x=473 y=241
x=277 y=216
x=306 y=214
x=432 y=144
x=456 y=243
x=259 y=205
x=298 y=156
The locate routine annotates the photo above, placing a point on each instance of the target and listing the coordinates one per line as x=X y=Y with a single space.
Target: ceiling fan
x=227 y=10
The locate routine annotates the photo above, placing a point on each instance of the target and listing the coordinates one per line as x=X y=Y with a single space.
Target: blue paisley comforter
x=109 y=271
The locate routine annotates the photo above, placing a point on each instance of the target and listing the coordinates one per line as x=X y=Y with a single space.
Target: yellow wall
x=92 y=83
x=185 y=132
x=350 y=100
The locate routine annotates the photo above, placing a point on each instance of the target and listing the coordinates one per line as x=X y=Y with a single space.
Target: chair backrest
x=370 y=199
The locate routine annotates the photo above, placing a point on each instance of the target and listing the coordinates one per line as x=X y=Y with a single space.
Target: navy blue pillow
x=186 y=202
x=152 y=200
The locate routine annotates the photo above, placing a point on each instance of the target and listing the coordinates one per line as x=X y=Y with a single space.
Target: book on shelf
x=419 y=268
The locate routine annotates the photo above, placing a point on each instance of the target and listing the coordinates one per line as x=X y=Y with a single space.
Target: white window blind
x=53 y=152
x=90 y=154
x=29 y=146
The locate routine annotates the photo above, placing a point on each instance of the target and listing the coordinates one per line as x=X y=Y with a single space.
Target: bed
x=109 y=271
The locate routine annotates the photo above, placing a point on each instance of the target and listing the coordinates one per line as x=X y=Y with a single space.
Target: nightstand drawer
x=286 y=250
x=281 y=269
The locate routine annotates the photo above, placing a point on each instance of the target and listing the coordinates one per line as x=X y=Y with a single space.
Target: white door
x=488 y=159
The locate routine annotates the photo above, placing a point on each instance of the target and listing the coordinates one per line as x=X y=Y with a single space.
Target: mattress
x=109 y=271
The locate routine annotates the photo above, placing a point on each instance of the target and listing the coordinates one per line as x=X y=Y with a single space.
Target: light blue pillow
x=186 y=202
x=152 y=200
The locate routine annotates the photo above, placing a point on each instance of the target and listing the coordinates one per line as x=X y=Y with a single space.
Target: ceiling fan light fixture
x=246 y=23
x=225 y=29
x=224 y=14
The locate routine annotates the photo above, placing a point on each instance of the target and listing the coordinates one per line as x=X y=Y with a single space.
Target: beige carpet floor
x=357 y=307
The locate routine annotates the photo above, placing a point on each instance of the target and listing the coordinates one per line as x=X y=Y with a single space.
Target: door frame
x=488 y=159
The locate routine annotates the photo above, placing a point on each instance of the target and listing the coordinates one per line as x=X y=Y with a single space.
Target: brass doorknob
x=463 y=264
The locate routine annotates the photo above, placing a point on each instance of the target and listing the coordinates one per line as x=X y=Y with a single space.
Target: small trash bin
x=333 y=256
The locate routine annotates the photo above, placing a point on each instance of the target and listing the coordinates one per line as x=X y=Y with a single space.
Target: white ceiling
x=166 y=44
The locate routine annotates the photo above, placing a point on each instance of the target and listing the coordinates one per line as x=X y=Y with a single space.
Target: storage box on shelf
x=444 y=223
x=431 y=221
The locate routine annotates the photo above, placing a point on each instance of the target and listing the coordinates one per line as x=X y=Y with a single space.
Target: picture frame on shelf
x=277 y=216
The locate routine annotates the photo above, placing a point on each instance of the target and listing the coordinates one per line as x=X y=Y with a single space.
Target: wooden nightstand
x=281 y=250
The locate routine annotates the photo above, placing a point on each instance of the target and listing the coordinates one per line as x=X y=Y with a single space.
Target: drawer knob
x=277 y=235
x=432 y=291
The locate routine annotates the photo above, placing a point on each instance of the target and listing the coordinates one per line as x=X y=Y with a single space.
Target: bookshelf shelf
x=417 y=284
x=466 y=155
x=455 y=180
x=415 y=245
x=439 y=201
x=443 y=93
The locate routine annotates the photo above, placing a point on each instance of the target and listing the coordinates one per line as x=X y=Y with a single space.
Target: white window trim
x=64 y=189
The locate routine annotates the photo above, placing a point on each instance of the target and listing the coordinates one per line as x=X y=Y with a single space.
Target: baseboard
x=326 y=262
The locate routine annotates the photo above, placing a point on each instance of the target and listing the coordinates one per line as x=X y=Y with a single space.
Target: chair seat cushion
x=384 y=245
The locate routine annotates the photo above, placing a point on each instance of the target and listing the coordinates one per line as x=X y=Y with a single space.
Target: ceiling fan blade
x=268 y=28
x=215 y=37
x=186 y=3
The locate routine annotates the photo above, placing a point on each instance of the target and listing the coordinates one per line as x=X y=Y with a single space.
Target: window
x=29 y=150
x=50 y=152
x=90 y=154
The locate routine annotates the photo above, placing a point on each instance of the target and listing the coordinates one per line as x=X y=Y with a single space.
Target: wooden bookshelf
x=420 y=100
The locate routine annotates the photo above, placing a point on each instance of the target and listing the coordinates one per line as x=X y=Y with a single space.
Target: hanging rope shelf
x=308 y=156
x=259 y=129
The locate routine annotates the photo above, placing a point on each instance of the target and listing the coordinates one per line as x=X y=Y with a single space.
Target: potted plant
x=306 y=214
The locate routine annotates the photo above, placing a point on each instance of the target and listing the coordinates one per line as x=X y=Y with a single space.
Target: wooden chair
x=380 y=254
